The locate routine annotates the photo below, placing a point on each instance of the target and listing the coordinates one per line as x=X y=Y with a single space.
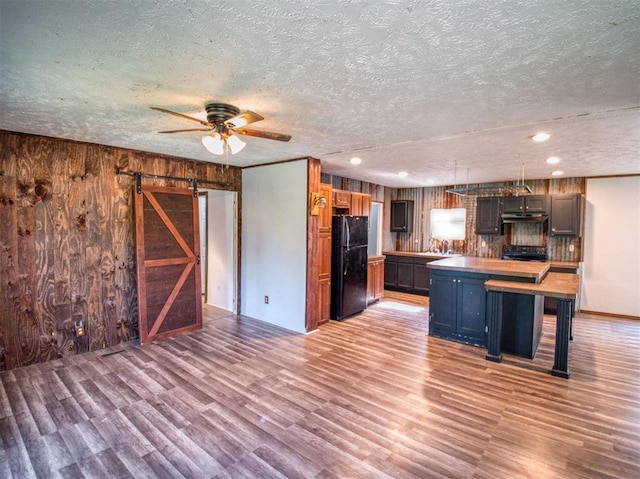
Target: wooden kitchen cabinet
x=488 y=215
x=375 y=279
x=526 y=204
x=324 y=255
x=341 y=199
x=401 y=216
x=360 y=204
x=566 y=214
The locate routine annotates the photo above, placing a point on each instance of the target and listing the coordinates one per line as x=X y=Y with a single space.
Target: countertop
x=472 y=264
x=556 y=285
x=421 y=254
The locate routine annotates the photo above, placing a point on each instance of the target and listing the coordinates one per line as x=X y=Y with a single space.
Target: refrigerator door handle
x=348 y=236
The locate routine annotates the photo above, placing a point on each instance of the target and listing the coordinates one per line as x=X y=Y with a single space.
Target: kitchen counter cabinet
x=457 y=308
x=521 y=314
x=408 y=272
x=375 y=278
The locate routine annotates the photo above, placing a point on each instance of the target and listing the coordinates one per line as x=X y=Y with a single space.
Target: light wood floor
x=372 y=396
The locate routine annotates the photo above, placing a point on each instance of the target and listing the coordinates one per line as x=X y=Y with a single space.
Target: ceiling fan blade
x=242 y=119
x=202 y=122
x=263 y=134
x=189 y=129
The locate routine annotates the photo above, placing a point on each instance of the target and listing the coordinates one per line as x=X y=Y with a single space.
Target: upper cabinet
x=526 y=204
x=401 y=216
x=350 y=203
x=341 y=199
x=566 y=215
x=360 y=204
x=488 y=213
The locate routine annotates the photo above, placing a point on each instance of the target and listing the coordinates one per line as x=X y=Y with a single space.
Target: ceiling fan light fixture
x=214 y=143
x=235 y=144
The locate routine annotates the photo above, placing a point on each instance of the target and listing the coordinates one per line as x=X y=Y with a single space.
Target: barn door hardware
x=194 y=181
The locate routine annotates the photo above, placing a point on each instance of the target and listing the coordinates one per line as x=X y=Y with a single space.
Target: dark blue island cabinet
x=457 y=307
x=459 y=311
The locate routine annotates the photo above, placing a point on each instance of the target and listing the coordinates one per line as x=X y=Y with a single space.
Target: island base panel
x=522 y=317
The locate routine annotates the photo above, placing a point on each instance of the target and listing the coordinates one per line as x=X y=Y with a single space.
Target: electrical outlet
x=266 y=300
x=571 y=248
x=484 y=244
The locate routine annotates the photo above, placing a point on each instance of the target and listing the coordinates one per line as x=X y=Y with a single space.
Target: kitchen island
x=458 y=308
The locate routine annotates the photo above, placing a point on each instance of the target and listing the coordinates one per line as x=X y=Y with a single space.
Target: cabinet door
x=471 y=313
x=536 y=204
x=566 y=215
x=401 y=216
x=420 y=276
x=391 y=272
x=325 y=213
x=341 y=199
x=442 y=304
x=513 y=204
x=324 y=275
x=356 y=205
x=366 y=206
x=405 y=273
x=379 y=280
x=488 y=213
x=324 y=299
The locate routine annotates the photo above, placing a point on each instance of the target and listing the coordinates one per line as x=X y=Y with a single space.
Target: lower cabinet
x=457 y=307
x=375 y=279
x=408 y=274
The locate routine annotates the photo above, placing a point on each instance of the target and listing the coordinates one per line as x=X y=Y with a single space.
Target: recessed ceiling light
x=553 y=160
x=402 y=174
x=355 y=161
x=430 y=182
x=541 y=137
x=557 y=173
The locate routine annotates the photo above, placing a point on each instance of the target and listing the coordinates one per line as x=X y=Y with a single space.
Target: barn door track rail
x=194 y=181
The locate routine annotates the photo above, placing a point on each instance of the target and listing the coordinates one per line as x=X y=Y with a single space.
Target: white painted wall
x=611 y=271
x=221 y=253
x=274 y=244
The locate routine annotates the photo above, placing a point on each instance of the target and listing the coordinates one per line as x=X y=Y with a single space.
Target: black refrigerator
x=348 y=265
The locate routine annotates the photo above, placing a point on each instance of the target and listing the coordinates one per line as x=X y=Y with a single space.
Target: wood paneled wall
x=67 y=249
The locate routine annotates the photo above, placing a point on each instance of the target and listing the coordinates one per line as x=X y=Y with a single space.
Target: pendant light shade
x=214 y=143
x=217 y=143
x=235 y=144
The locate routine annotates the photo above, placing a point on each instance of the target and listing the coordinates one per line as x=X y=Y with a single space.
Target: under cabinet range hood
x=524 y=217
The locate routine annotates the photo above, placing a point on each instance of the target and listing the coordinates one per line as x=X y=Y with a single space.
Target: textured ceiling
x=449 y=91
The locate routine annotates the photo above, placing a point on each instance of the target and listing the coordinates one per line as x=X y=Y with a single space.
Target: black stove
x=524 y=253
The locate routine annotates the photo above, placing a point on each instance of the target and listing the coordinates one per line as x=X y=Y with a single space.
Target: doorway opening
x=218 y=250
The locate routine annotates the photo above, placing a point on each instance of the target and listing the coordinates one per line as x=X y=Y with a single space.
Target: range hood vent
x=524 y=217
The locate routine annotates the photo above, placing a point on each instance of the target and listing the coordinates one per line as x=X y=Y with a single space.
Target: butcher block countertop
x=471 y=264
x=417 y=254
x=556 y=285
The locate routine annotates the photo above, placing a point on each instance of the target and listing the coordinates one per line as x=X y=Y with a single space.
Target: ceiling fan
x=226 y=122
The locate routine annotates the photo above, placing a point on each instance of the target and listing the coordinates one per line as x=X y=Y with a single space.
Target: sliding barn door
x=168 y=262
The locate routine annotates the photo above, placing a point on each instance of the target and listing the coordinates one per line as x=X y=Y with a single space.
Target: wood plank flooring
x=372 y=396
